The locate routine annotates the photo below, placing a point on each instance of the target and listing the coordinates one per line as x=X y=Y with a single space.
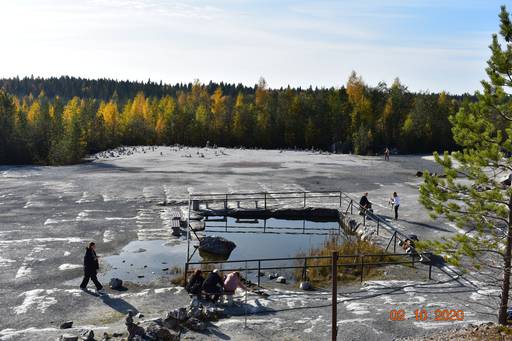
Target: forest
x=56 y=121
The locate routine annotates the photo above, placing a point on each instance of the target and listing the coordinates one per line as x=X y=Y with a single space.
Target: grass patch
x=351 y=270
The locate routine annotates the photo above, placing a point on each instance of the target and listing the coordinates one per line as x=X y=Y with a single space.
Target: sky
x=431 y=45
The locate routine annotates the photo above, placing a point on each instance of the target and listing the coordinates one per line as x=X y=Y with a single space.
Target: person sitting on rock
x=230 y=284
x=195 y=284
x=213 y=285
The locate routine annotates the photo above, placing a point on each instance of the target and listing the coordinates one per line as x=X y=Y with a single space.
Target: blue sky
x=429 y=44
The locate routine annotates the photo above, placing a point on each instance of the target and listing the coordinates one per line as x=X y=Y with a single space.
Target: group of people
x=366 y=205
x=214 y=286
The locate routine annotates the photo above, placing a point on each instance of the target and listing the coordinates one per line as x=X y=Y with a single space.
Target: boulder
x=305 y=286
x=68 y=337
x=197 y=225
x=281 y=280
x=88 y=335
x=116 y=284
x=66 y=325
x=216 y=245
x=196 y=325
x=158 y=333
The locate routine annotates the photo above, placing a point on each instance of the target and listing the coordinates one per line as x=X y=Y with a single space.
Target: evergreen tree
x=480 y=200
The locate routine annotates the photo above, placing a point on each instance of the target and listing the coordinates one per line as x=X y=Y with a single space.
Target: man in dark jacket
x=91 y=267
x=214 y=285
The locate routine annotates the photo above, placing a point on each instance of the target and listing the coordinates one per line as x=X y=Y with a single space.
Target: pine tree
x=480 y=200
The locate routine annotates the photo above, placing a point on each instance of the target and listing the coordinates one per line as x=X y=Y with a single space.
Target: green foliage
x=473 y=195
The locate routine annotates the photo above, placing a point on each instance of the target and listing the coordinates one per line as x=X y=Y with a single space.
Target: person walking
x=396 y=204
x=386 y=154
x=91 y=266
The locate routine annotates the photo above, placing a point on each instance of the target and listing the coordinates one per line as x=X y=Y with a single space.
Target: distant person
x=365 y=203
x=195 y=284
x=213 y=285
x=91 y=266
x=396 y=203
x=386 y=154
x=231 y=283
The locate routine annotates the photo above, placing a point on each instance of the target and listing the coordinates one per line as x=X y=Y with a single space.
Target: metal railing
x=359 y=262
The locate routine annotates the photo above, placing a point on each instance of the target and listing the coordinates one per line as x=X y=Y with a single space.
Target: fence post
x=364 y=218
x=334 y=299
x=378 y=224
x=394 y=246
x=351 y=205
x=304 y=199
x=226 y=202
x=259 y=275
x=265 y=199
x=430 y=270
x=186 y=272
x=362 y=267
x=304 y=271
x=340 y=198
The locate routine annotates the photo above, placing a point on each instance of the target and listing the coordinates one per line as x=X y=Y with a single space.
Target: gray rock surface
x=216 y=245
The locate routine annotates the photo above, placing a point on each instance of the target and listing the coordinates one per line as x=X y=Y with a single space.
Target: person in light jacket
x=396 y=203
x=231 y=283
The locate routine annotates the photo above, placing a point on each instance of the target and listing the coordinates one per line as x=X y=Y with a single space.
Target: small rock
x=66 y=325
x=419 y=174
x=139 y=250
x=116 y=283
x=281 y=280
x=139 y=315
x=196 y=325
x=273 y=276
x=68 y=337
x=88 y=335
x=140 y=276
x=305 y=286
x=165 y=269
x=145 y=266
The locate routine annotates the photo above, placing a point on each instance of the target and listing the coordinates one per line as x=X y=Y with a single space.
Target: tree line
x=60 y=120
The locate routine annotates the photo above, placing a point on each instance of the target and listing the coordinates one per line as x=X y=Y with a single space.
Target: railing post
x=430 y=270
x=334 y=298
x=364 y=218
x=378 y=224
x=394 y=246
x=259 y=274
x=265 y=199
x=362 y=267
x=340 y=198
x=304 y=199
x=351 y=205
x=304 y=271
x=226 y=202
x=186 y=272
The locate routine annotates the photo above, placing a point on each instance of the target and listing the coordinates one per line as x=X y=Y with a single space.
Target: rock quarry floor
x=48 y=214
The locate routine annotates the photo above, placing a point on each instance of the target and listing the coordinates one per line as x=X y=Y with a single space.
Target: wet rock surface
x=216 y=245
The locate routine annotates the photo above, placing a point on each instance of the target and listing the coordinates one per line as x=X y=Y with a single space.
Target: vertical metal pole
x=226 y=202
x=188 y=230
x=334 y=298
x=304 y=199
x=430 y=270
x=351 y=206
x=245 y=325
x=364 y=218
x=362 y=267
x=304 y=271
x=394 y=246
x=378 y=223
x=259 y=272
x=185 y=275
x=340 y=198
x=265 y=198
